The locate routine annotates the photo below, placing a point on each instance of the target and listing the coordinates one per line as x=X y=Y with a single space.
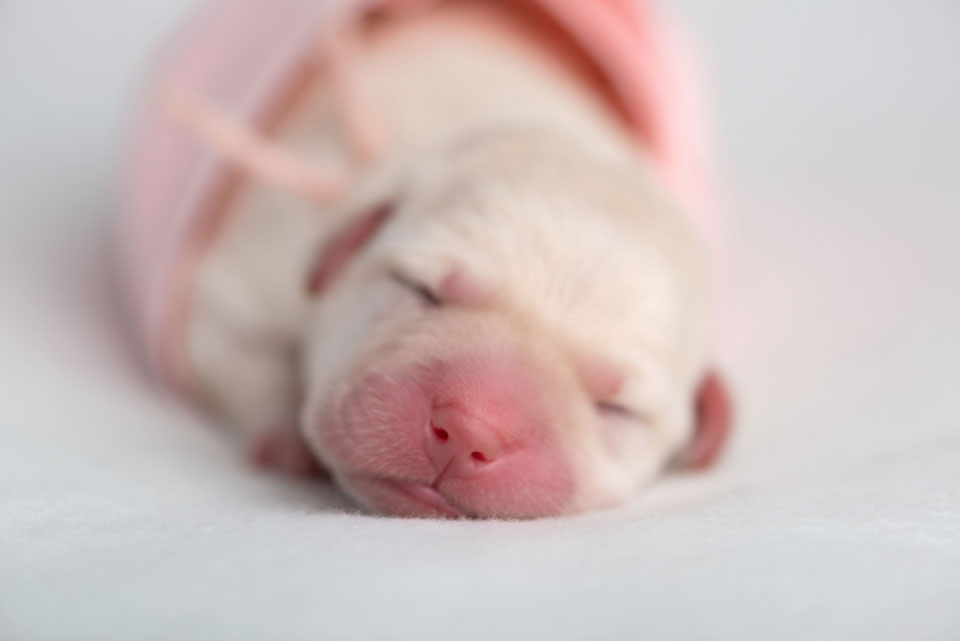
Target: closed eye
x=609 y=408
x=422 y=291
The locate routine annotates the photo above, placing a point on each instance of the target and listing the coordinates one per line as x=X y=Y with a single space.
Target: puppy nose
x=459 y=444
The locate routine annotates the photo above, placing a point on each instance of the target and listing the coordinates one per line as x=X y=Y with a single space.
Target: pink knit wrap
x=244 y=55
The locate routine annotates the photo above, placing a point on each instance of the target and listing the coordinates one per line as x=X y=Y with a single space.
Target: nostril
x=459 y=444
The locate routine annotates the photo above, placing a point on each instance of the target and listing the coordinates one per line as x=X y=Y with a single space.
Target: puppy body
x=574 y=325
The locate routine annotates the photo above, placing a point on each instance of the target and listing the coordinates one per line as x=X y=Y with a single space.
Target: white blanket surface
x=836 y=515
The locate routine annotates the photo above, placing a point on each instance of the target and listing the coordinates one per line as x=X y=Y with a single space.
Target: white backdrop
x=836 y=516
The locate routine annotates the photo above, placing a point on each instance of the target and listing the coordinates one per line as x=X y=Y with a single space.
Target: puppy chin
x=399 y=498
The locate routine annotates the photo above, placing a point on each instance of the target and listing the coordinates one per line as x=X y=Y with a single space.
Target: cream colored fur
x=503 y=167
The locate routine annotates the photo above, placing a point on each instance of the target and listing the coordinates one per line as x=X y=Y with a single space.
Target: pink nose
x=461 y=445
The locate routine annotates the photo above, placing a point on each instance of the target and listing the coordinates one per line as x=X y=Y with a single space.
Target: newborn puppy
x=504 y=314
x=524 y=336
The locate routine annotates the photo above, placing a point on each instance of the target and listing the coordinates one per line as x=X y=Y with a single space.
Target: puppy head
x=520 y=332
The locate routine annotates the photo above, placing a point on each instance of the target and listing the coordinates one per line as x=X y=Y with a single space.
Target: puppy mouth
x=425 y=495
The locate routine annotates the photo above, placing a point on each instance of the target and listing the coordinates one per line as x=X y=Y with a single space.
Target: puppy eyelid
x=615 y=409
x=418 y=288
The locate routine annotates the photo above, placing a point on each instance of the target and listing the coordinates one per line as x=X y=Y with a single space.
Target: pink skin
x=457 y=288
x=601 y=379
x=281 y=448
x=714 y=410
x=465 y=436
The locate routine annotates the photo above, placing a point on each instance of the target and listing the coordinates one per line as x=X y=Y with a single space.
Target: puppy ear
x=337 y=251
x=713 y=420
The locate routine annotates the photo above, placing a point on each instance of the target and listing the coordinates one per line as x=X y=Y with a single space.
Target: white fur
x=505 y=167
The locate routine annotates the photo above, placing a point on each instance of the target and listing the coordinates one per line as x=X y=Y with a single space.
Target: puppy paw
x=282 y=449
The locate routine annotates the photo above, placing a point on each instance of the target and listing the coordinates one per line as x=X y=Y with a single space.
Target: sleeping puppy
x=504 y=315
